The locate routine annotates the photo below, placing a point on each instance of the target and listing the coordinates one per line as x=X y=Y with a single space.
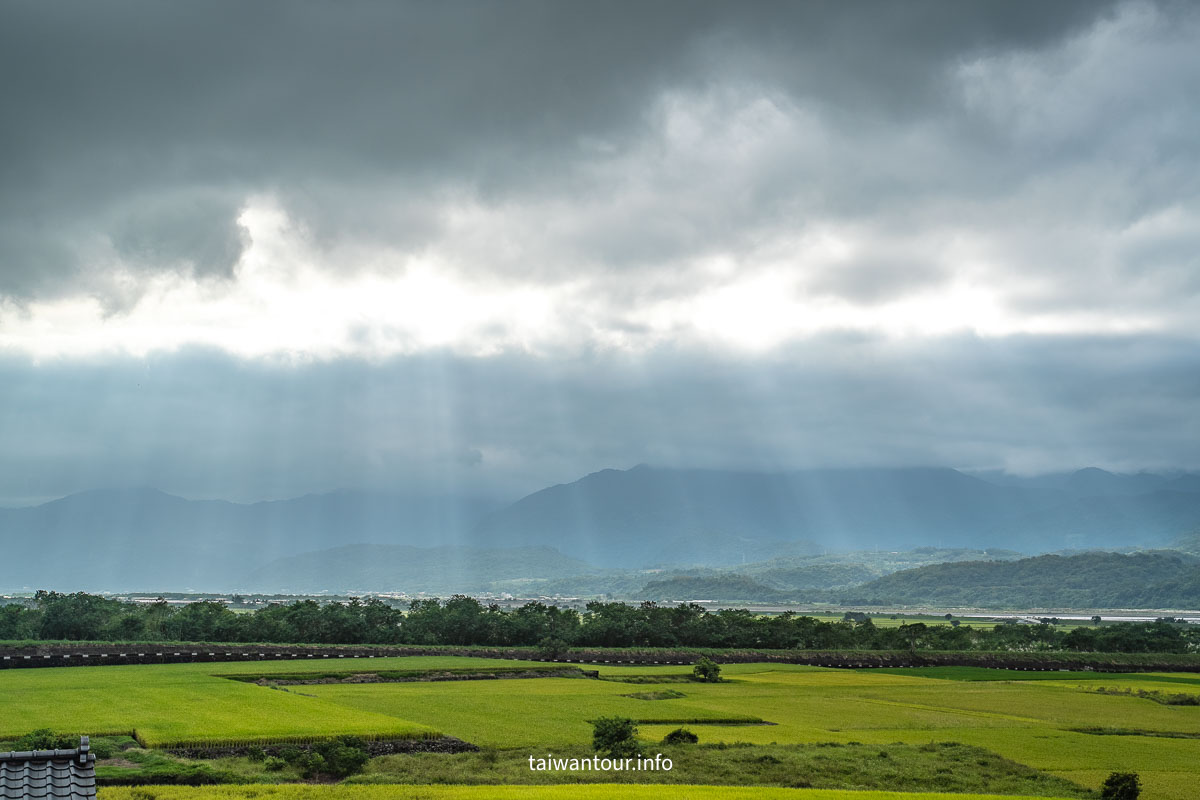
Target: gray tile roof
x=51 y=774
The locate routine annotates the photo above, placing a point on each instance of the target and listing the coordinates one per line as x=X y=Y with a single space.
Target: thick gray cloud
x=657 y=178
x=209 y=425
x=123 y=117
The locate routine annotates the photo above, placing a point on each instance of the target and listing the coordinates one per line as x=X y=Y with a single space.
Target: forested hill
x=435 y=570
x=722 y=588
x=1090 y=580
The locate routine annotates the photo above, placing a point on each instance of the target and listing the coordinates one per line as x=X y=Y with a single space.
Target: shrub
x=273 y=763
x=342 y=757
x=1121 y=786
x=310 y=764
x=257 y=754
x=46 y=739
x=103 y=748
x=291 y=755
x=706 y=670
x=615 y=736
x=338 y=758
x=680 y=736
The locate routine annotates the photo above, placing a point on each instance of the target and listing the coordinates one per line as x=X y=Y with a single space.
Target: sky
x=256 y=250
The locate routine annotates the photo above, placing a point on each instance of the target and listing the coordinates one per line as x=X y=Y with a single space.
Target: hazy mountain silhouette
x=648 y=515
x=1091 y=481
x=145 y=539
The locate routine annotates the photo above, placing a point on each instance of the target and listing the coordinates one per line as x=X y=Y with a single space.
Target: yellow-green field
x=174 y=704
x=595 y=791
x=1033 y=722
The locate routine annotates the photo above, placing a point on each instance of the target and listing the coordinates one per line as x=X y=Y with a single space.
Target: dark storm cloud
x=624 y=164
x=207 y=425
x=134 y=132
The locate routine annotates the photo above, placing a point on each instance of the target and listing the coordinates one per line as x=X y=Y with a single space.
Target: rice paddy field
x=1054 y=722
x=590 y=792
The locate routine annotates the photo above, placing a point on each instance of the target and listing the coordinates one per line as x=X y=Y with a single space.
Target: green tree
x=1121 y=786
x=551 y=648
x=17 y=622
x=913 y=634
x=203 y=621
x=462 y=621
x=129 y=628
x=615 y=736
x=610 y=625
x=706 y=670
x=75 y=616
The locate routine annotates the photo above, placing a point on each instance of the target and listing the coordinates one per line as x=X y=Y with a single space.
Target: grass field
x=1030 y=718
x=590 y=792
x=949 y=767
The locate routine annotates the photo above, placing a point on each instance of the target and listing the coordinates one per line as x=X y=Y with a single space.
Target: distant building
x=49 y=774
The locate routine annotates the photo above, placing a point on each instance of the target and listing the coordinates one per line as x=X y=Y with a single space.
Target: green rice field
x=590 y=792
x=1053 y=722
x=178 y=704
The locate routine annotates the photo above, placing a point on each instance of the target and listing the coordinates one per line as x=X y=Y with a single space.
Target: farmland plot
x=179 y=704
x=591 y=792
x=1050 y=722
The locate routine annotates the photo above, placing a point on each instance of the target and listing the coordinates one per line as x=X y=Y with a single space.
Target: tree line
x=462 y=620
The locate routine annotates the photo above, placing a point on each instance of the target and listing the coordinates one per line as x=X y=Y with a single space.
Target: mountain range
x=644 y=517
x=116 y=540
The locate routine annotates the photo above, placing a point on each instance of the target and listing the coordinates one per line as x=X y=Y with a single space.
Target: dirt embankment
x=375 y=677
x=85 y=654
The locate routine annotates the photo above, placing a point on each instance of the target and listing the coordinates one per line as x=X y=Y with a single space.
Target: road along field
x=1054 y=723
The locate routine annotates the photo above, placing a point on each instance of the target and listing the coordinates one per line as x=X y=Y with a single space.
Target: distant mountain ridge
x=642 y=517
x=120 y=539
x=1095 y=481
x=649 y=515
x=791 y=578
